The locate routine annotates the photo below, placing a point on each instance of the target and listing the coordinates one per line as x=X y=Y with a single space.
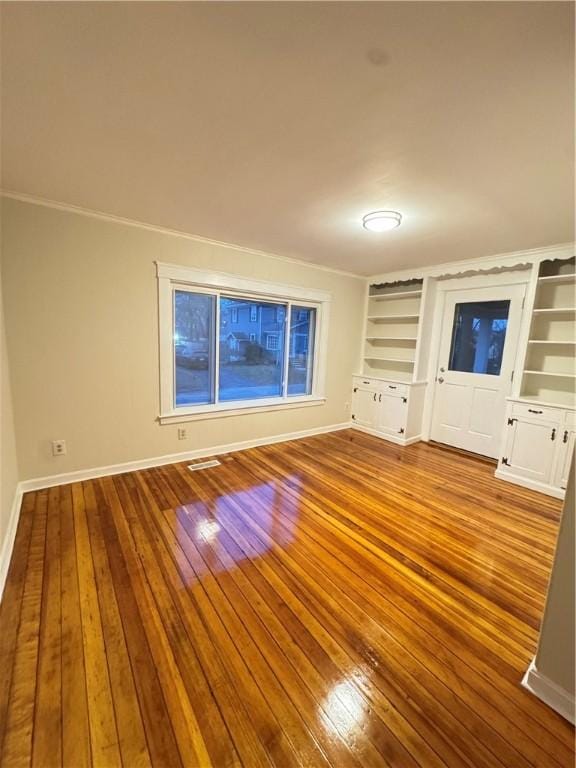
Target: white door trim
x=516 y=277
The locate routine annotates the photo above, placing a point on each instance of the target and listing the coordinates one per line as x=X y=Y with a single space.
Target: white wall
x=82 y=329
x=8 y=462
x=555 y=657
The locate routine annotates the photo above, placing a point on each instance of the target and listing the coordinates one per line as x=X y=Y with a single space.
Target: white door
x=568 y=437
x=530 y=449
x=392 y=414
x=478 y=345
x=364 y=401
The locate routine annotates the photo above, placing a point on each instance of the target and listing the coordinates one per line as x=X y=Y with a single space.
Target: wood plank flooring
x=334 y=601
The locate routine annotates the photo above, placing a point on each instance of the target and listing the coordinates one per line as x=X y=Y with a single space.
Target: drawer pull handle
x=553 y=435
x=531 y=410
x=365 y=382
x=380 y=398
x=391 y=386
x=565 y=438
x=374 y=396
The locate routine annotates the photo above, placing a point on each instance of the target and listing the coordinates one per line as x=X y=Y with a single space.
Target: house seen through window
x=227 y=348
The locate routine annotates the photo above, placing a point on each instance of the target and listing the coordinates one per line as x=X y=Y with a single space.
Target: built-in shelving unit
x=392 y=330
x=550 y=370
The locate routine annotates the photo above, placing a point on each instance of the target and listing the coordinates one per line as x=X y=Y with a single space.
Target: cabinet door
x=565 y=453
x=530 y=449
x=391 y=414
x=364 y=401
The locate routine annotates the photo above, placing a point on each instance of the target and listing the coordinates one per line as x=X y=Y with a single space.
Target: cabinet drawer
x=570 y=419
x=393 y=388
x=380 y=385
x=366 y=381
x=537 y=413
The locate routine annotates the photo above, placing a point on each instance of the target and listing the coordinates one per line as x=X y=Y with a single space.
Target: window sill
x=233 y=409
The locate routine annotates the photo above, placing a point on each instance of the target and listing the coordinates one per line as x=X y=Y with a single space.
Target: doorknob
x=440 y=380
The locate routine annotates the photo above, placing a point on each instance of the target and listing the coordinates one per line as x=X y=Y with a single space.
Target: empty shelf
x=549 y=373
x=555 y=310
x=389 y=360
x=398 y=295
x=567 y=278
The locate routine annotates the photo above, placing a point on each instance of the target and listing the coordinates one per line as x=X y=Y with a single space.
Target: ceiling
x=275 y=126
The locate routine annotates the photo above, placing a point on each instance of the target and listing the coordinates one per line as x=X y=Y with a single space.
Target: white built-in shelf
x=549 y=373
x=555 y=311
x=390 y=360
x=391 y=338
x=396 y=295
x=566 y=278
x=553 y=316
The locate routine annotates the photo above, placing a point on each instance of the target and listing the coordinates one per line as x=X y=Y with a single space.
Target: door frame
x=443 y=287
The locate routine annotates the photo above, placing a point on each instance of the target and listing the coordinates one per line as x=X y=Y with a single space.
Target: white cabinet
x=364 y=404
x=391 y=413
x=537 y=447
x=387 y=408
x=565 y=454
x=530 y=449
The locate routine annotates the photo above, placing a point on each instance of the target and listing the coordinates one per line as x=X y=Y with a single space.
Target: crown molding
x=446 y=269
x=494 y=263
x=22 y=197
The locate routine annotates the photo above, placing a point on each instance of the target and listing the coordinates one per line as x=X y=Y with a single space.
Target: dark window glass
x=478 y=337
x=301 y=350
x=193 y=344
x=251 y=364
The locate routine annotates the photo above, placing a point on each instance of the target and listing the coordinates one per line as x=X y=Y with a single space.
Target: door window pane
x=193 y=344
x=301 y=351
x=251 y=360
x=478 y=337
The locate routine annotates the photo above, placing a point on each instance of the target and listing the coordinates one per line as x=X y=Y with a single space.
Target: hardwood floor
x=335 y=601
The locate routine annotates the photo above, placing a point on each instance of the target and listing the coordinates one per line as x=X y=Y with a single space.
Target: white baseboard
x=390 y=438
x=551 y=694
x=37 y=483
x=549 y=490
x=8 y=544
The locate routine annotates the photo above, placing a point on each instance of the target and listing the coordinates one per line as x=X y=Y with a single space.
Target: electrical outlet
x=182 y=435
x=58 y=447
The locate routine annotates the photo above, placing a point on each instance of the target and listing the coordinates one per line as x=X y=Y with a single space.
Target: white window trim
x=172 y=277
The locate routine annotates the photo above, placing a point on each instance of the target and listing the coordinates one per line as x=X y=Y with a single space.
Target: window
x=271 y=341
x=248 y=371
x=478 y=336
x=301 y=354
x=193 y=340
x=211 y=358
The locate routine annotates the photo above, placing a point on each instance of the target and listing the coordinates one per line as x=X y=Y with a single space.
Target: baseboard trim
x=389 y=438
x=8 y=545
x=549 y=490
x=38 y=483
x=551 y=694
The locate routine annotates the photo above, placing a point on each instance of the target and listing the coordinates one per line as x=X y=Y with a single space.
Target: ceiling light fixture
x=381 y=221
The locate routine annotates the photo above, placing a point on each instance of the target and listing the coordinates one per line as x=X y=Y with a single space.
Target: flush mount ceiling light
x=381 y=221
